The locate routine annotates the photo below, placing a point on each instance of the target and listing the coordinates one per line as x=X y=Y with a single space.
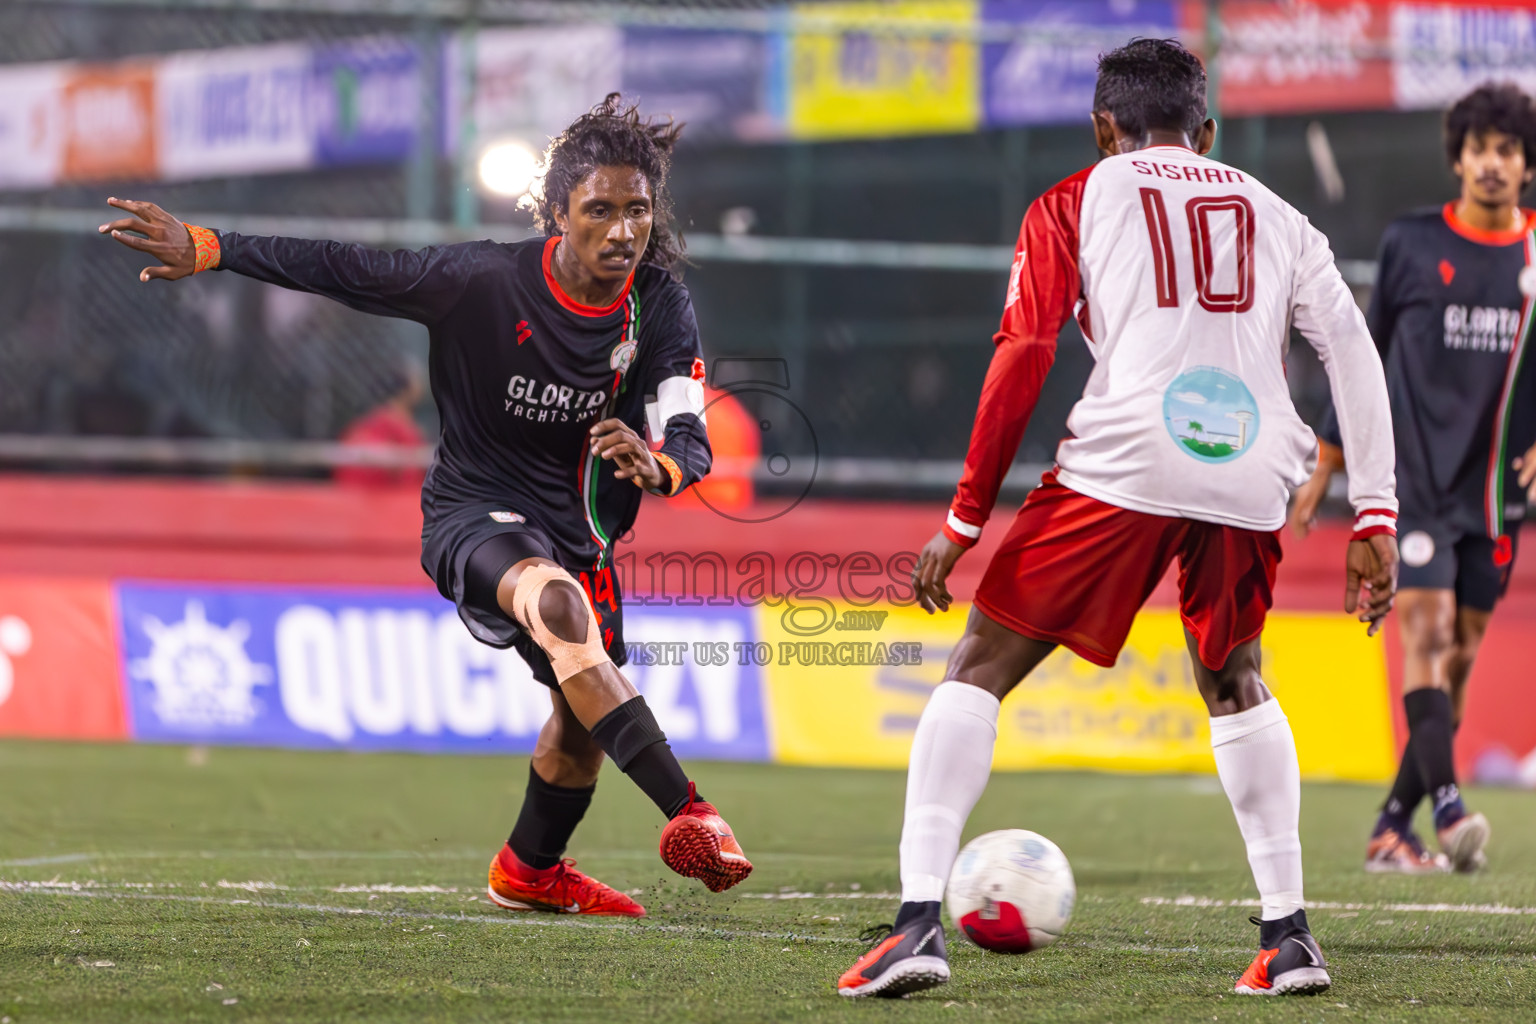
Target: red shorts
x=1075 y=571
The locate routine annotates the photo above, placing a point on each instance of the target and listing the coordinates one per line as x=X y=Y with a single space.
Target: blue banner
x=365 y=98
x=1047 y=75
x=719 y=83
x=378 y=669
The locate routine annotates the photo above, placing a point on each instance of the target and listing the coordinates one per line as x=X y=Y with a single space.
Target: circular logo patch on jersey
x=1416 y=548
x=622 y=355
x=1527 y=281
x=1211 y=414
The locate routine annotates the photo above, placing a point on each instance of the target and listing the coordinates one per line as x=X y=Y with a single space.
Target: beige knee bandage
x=565 y=657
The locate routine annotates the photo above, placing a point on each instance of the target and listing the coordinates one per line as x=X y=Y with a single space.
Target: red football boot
x=557 y=890
x=699 y=844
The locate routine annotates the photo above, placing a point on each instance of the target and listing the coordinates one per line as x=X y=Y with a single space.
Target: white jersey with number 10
x=1186 y=276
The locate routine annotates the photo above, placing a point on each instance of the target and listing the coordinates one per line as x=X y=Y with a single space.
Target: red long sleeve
x=1044 y=287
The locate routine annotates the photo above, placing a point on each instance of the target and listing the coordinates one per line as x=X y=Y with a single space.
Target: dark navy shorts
x=468 y=550
x=1437 y=555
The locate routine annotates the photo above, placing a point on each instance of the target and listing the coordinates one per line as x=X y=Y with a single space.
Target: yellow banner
x=852 y=696
x=871 y=69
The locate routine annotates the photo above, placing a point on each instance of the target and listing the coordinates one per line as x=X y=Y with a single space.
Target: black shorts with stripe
x=467 y=550
x=1437 y=554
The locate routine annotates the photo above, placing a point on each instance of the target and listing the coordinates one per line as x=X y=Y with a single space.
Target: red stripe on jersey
x=1041 y=296
x=570 y=303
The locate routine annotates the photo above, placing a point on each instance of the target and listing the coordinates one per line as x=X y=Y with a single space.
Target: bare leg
x=1235 y=687
x=1427 y=623
x=1471 y=627
x=566 y=755
x=994 y=657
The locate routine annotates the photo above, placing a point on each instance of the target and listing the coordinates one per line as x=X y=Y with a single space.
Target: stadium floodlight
x=508 y=168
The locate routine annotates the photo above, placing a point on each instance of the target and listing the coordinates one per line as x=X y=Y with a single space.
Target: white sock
x=951 y=760
x=1256 y=759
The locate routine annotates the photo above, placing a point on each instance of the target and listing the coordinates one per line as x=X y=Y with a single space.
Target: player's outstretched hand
x=1370 y=579
x=1310 y=495
x=163 y=237
x=1526 y=464
x=613 y=440
x=938 y=557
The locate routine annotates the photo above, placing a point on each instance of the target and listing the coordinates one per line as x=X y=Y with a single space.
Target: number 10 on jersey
x=1205 y=242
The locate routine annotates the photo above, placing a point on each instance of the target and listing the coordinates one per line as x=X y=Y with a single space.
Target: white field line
x=540 y=921
x=106 y=855
x=563 y=921
x=393 y=888
x=484 y=854
x=1493 y=909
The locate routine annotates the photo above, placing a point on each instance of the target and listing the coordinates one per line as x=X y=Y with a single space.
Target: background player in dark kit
x=549 y=357
x=1451 y=314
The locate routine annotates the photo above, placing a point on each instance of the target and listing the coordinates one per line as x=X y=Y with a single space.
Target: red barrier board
x=58 y=660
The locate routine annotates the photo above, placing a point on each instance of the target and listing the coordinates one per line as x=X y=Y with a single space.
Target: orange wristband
x=666 y=463
x=207 y=244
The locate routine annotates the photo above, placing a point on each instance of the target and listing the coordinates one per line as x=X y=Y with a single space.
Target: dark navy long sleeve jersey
x=1451 y=314
x=520 y=372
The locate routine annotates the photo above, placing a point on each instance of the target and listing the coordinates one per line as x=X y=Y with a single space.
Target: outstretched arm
x=422 y=285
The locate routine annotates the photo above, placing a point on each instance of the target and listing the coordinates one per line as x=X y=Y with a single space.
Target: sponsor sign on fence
x=720 y=84
x=810 y=681
x=876 y=72
x=397 y=670
x=1047 y=75
x=1144 y=714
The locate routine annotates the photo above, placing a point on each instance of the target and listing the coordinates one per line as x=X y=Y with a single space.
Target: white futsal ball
x=1011 y=891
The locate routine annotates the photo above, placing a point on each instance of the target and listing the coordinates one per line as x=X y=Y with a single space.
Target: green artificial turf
x=227 y=885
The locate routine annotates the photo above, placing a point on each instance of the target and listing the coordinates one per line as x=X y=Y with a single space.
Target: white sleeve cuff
x=963 y=528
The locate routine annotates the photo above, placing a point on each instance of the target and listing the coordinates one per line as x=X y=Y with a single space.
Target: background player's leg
x=1256 y=761
x=1427 y=621
x=561 y=779
x=952 y=754
x=1471 y=627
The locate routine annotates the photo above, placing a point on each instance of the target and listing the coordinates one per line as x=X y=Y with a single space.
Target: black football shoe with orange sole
x=1289 y=960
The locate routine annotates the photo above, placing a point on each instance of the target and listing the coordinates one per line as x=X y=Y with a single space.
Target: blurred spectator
x=393 y=422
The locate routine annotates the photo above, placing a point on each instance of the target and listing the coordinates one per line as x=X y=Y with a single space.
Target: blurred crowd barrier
x=812 y=71
x=294 y=615
x=850 y=185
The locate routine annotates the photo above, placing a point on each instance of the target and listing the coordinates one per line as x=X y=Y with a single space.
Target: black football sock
x=630 y=736
x=550 y=814
x=1407 y=791
x=912 y=911
x=1429 y=726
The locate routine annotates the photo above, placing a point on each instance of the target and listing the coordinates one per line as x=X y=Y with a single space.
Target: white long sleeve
x=1326 y=314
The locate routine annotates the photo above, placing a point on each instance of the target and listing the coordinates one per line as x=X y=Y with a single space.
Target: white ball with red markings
x=1011 y=891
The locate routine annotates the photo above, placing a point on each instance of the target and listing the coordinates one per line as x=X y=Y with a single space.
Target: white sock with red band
x=1256 y=760
x=951 y=761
